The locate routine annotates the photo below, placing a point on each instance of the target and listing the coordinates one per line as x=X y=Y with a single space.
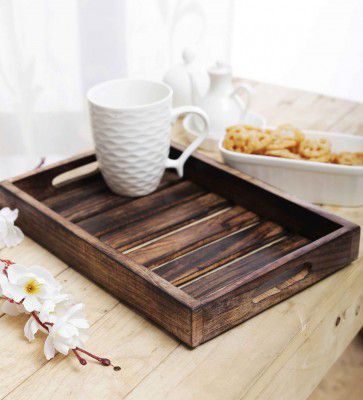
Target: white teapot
x=181 y=77
x=222 y=102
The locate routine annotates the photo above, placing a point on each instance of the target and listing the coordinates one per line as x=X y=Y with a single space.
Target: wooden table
x=281 y=354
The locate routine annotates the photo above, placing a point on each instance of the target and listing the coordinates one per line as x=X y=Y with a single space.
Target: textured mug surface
x=131 y=122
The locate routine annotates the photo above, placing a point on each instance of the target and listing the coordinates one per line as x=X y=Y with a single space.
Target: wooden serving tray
x=198 y=256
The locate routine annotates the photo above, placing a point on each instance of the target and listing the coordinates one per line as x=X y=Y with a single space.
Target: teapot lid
x=220 y=67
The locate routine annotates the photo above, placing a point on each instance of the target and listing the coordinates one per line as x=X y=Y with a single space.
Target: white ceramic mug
x=131 y=124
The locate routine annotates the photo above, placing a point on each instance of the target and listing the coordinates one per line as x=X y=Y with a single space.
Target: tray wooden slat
x=222 y=251
x=92 y=197
x=165 y=221
x=75 y=192
x=216 y=280
x=88 y=207
x=193 y=236
x=199 y=255
x=141 y=208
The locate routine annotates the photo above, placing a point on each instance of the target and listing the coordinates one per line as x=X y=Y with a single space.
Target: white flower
x=67 y=332
x=3 y=265
x=48 y=313
x=3 y=276
x=31 y=286
x=3 y=280
x=7 y=307
x=10 y=235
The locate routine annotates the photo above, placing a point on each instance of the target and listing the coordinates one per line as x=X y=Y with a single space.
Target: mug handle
x=236 y=94
x=178 y=164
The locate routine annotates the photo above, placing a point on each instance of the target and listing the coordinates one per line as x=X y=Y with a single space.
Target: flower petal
x=79 y=323
x=3 y=282
x=67 y=331
x=75 y=309
x=10 y=235
x=31 y=303
x=49 y=350
x=9 y=215
x=14 y=236
x=13 y=292
x=15 y=272
x=30 y=329
x=61 y=347
x=44 y=274
x=81 y=340
x=3 y=265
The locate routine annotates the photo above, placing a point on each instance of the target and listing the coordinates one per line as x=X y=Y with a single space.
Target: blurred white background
x=52 y=51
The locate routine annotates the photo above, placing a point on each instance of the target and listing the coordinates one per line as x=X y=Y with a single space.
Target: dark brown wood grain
x=236 y=302
x=203 y=254
x=172 y=218
x=74 y=192
x=123 y=278
x=194 y=236
x=212 y=256
x=90 y=206
x=299 y=217
x=38 y=183
x=141 y=208
x=216 y=280
x=91 y=196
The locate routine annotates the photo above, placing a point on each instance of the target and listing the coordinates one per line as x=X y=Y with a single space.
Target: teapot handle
x=247 y=93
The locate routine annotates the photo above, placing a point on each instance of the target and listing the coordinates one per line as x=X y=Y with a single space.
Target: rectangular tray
x=198 y=256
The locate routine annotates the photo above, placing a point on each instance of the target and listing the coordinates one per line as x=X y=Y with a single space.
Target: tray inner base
x=193 y=238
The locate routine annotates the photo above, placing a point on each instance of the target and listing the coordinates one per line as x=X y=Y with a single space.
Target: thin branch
x=43 y=325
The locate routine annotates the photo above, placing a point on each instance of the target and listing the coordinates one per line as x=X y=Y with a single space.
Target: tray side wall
x=298 y=216
x=150 y=300
x=38 y=183
x=248 y=299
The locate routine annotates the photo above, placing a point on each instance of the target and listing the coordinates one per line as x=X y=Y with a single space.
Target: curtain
x=158 y=31
x=52 y=51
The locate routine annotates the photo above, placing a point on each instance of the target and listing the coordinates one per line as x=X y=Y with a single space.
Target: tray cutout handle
x=75 y=174
x=297 y=277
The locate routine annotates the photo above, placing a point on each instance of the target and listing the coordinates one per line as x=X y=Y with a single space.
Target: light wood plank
x=242 y=346
x=352 y=122
x=131 y=341
x=30 y=253
x=344 y=380
x=230 y=365
x=21 y=359
x=307 y=110
x=318 y=352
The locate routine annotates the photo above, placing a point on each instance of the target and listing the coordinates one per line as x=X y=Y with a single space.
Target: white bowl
x=211 y=143
x=316 y=182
